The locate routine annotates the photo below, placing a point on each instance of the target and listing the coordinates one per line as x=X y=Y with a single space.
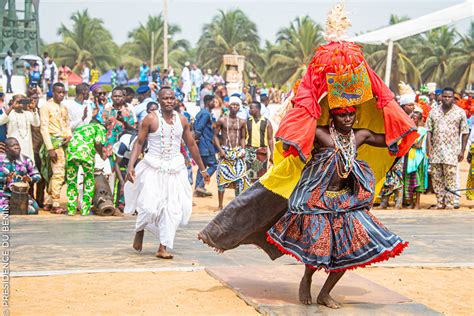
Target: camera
x=24 y=101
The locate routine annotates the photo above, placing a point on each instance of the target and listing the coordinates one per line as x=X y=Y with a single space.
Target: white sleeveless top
x=164 y=145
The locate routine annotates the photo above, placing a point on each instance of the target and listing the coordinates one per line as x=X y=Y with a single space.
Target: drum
x=103 y=201
x=19 y=199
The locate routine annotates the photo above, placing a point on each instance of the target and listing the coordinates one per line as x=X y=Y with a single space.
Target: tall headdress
x=407 y=95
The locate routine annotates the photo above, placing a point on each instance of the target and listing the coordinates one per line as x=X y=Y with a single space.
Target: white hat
x=187 y=63
x=407 y=98
x=235 y=100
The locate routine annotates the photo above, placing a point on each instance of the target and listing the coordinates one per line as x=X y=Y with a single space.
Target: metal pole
x=165 y=34
x=152 y=53
x=388 y=65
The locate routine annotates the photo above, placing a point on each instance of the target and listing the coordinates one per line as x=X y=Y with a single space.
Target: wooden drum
x=19 y=199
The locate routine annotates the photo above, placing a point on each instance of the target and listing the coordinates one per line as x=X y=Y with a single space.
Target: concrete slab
x=273 y=291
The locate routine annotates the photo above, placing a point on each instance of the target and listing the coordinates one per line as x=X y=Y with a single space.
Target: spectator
x=35 y=76
x=64 y=72
x=14 y=168
x=186 y=81
x=122 y=76
x=19 y=117
x=99 y=103
x=445 y=125
x=8 y=68
x=56 y=135
x=86 y=74
x=79 y=109
x=94 y=75
x=259 y=146
x=123 y=150
x=206 y=89
x=85 y=142
x=37 y=142
x=3 y=128
x=416 y=173
x=144 y=97
x=143 y=77
x=217 y=78
x=204 y=134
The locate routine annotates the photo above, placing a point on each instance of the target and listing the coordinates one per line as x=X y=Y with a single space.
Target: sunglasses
x=101 y=93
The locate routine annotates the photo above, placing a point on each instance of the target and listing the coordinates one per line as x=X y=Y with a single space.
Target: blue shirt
x=204 y=132
x=140 y=109
x=144 y=73
x=122 y=77
x=3 y=130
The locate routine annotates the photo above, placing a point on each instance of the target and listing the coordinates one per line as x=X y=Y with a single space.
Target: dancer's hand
x=131 y=175
x=206 y=177
x=52 y=155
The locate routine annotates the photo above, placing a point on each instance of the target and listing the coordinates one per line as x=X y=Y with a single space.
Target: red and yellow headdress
x=338 y=77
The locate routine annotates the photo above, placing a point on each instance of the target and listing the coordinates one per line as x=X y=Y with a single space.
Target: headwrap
x=235 y=100
x=143 y=89
x=407 y=95
x=95 y=86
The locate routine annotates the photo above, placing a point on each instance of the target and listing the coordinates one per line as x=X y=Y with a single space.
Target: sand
x=447 y=290
x=161 y=293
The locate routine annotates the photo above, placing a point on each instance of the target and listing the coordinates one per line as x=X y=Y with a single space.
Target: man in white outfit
x=186 y=81
x=158 y=189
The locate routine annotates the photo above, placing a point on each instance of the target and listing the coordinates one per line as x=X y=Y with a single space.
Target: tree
x=461 y=63
x=87 y=41
x=293 y=51
x=435 y=51
x=230 y=32
x=403 y=67
x=138 y=49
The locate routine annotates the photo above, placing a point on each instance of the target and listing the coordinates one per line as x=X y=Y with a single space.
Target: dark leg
x=138 y=241
x=221 y=200
x=418 y=196
x=324 y=298
x=305 y=286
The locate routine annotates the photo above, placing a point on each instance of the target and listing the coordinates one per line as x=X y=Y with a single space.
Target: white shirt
x=75 y=111
x=19 y=126
x=86 y=73
x=8 y=64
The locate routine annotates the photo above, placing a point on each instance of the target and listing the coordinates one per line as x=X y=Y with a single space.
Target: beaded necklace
x=344 y=144
x=166 y=151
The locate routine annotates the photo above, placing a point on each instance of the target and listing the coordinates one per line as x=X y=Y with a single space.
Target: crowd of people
x=432 y=164
x=66 y=140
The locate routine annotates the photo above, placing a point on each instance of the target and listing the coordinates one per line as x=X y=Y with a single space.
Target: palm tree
x=403 y=67
x=87 y=41
x=230 y=32
x=461 y=64
x=294 y=50
x=435 y=51
x=139 y=48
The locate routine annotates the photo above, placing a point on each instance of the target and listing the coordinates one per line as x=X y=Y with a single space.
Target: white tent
x=388 y=35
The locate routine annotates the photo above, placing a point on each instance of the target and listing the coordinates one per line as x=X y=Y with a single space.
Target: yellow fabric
x=256 y=133
x=283 y=176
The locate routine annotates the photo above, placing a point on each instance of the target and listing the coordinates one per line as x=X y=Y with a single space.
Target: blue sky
x=121 y=16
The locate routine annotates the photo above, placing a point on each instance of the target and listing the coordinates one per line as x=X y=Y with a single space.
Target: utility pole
x=165 y=34
x=152 y=53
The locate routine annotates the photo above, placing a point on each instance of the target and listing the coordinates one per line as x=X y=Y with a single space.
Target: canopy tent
x=74 y=79
x=389 y=34
x=106 y=78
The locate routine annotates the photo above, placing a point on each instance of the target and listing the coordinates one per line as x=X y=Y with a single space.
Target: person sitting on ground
x=15 y=167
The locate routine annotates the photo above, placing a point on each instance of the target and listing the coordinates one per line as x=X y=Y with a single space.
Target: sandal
x=58 y=210
x=47 y=207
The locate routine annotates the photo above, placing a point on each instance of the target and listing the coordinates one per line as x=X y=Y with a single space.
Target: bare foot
x=163 y=254
x=305 y=291
x=327 y=300
x=219 y=209
x=138 y=241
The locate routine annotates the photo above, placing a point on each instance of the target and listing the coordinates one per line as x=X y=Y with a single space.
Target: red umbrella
x=74 y=79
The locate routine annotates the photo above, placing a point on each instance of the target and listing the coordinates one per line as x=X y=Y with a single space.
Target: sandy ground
x=185 y=293
x=447 y=290
x=162 y=293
